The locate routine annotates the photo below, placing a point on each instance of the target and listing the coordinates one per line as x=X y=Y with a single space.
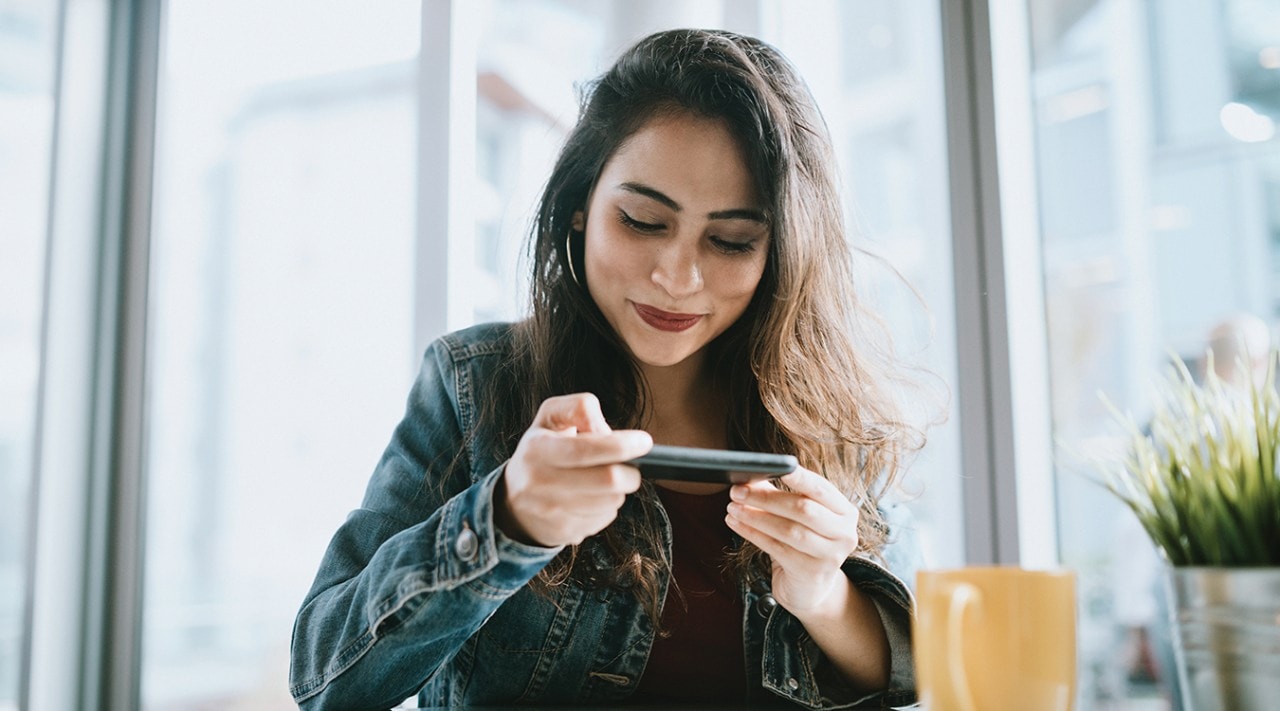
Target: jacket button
x=467 y=545
x=792 y=683
x=765 y=604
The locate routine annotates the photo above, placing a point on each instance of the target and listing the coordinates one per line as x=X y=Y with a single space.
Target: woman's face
x=676 y=238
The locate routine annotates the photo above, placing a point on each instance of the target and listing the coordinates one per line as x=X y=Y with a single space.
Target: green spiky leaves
x=1203 y=481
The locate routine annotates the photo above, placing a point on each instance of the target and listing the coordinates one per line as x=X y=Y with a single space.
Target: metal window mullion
x=984 y=390
x=82 y=629
x=51 y=557
x=1024 y=282
x=445 y=223
x=115 y=655
x=54 y=631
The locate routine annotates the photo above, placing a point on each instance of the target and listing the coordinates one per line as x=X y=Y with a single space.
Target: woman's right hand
x=567 y=480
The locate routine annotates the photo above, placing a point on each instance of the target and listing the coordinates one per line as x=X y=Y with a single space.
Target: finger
x=579 y=412
x=797 y=508
x=798 y=536
x=607 y=480
x=815 y=486
x=589 y=450
x=779 y=551
x=587 y=506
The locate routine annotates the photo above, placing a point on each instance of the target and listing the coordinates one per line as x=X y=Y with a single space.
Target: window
x=289 y=297
x=875 y=69
x=1158 y=172
x=283 y=271
x=281 y=345
x=27 y=38
x=526 y=103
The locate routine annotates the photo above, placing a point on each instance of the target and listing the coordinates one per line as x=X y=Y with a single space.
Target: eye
x=638 y=226
x=728 y=246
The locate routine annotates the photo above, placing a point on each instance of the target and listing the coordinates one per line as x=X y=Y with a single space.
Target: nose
x=677 y=270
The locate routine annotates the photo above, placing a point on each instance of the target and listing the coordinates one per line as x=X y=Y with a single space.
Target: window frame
x=89 y=470
x=90 y=422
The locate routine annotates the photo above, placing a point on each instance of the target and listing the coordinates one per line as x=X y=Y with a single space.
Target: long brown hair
x=807 y=370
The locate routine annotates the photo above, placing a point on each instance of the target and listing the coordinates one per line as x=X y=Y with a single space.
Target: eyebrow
x=659 y=196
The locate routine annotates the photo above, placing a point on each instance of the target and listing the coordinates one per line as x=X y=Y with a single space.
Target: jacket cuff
x=808 y=677
x=897 y=628
x=894 y=602
x=471 y=549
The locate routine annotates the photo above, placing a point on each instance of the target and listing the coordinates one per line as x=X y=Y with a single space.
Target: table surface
x=665 y=707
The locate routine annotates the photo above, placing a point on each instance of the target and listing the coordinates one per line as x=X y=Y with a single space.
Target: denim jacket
x=420 y=593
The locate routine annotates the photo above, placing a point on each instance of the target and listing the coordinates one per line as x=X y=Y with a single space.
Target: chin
x=663 y=350
x=662 y=362
x=663 y=358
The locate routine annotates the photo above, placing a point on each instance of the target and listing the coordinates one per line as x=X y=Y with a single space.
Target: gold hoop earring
x=568 y=252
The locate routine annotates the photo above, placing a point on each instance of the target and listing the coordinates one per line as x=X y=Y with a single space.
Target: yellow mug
x=995 y=639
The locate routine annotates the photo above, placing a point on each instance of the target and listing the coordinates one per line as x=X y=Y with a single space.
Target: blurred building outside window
x=27 y=52
x=1159 y=193
x=284 y=248
x=875 y=69
x=283 y=255
x=280 y=353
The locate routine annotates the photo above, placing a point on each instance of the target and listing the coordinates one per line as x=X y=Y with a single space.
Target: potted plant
x=1204 y=482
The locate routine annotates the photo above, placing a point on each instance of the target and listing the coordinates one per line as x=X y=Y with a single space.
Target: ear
x=579 y=221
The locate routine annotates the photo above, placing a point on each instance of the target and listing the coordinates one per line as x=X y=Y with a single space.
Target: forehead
x=694 y=159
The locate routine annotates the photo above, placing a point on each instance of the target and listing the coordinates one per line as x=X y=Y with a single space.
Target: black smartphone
x=717 y=466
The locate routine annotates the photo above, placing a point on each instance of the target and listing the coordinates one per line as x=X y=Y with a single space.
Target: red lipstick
x=666 y=320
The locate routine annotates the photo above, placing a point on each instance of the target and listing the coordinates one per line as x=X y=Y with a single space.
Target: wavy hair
x=808 y=369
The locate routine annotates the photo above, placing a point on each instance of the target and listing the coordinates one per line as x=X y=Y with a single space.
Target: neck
x=683 y=382
x=684 y=409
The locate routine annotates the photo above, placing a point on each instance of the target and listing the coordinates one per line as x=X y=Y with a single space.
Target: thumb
x=579 y=412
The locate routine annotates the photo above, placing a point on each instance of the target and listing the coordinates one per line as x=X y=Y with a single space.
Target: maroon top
x=701 y=658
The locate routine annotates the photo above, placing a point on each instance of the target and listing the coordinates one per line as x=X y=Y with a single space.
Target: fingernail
x=640 y=438
x=738 y=492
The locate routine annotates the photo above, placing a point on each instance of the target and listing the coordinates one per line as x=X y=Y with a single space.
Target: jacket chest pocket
x=522 y=646
x=529 y=623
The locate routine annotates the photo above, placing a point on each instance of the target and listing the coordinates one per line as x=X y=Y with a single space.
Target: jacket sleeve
x=414 y=572
x=796 y=668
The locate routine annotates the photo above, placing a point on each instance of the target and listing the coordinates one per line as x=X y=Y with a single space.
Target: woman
x=692 y=287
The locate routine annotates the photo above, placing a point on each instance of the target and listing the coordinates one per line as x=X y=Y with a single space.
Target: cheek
x=739 y=281
x=611 y=257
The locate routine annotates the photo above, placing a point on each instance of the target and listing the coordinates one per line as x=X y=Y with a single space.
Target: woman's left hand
x=808 y=531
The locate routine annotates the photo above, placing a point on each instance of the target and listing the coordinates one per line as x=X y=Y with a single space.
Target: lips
x=666 y=320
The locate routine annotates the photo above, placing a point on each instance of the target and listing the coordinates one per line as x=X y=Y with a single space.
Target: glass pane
x=528 y=81
x=1159 y=173
x=876 y=71
x=281 y=346
x=875 y=67
x=526 y=104
x=27 y=49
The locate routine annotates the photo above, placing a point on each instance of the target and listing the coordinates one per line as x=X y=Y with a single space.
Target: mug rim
x=997 y=571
